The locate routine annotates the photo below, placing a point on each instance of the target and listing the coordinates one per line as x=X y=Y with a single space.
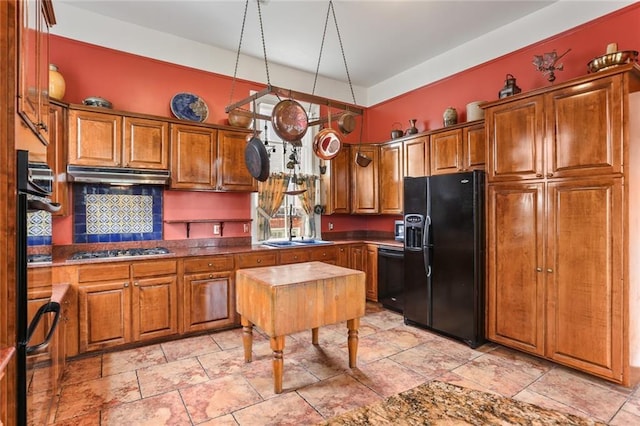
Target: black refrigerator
x=444 y=254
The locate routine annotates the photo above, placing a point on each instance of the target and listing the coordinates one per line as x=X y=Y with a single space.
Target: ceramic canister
x=474 y=112
x=57 y=85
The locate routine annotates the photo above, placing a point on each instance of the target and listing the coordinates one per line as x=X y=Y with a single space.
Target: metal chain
x=324 y=34
x=264 y=47
x=344 y=58
x=235 y=71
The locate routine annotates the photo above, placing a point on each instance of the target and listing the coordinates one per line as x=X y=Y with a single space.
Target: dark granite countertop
x=180 y=249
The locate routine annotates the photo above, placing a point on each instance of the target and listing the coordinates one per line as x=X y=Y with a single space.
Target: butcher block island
x=287 y=299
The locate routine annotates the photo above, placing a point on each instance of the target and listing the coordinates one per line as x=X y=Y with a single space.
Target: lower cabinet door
x=154 y=307
x=209 y=301
x=104 y=315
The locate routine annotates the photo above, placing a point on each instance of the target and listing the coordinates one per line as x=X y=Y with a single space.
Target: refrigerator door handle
x=426 y=252
x=49 y=307
x=425 y=234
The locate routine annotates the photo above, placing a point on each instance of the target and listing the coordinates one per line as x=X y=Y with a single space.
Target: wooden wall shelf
x=188 y=222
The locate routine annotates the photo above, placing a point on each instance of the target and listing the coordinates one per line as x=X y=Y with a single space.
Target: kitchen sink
x=293 y=243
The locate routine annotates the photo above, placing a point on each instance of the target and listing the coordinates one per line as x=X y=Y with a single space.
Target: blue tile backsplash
x=105 y=214
x=38 y=228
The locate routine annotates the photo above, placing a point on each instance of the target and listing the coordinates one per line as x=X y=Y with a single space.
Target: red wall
x=138 y=84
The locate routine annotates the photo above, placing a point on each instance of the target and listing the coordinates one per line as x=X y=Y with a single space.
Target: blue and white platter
x=188 y=106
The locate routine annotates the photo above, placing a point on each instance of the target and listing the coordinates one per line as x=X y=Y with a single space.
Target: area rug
x=439 y=403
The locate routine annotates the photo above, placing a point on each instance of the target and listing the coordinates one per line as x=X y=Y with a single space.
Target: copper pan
x=289 y=120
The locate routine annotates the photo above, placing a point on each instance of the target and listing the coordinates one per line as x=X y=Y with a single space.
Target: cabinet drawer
x=154 y=268
x=104 y=272
x=255 y=260
x=294 y=256
x=324 y=253
x=39 y=277
x=208 y=263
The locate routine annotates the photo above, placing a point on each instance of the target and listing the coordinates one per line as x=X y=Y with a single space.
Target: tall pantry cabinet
x=563 y=231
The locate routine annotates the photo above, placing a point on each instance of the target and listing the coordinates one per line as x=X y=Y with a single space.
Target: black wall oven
x=32 y=196
x=391 y=277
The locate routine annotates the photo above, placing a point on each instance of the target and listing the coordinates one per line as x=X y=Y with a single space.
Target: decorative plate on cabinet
x=188 y=106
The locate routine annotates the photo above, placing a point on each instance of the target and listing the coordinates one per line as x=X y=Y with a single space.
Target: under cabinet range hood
x=117 y=176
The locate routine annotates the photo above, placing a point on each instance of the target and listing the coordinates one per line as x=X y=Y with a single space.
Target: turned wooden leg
x=314 y=336
x=352 y=340
x=247 y=338
x=277 y=345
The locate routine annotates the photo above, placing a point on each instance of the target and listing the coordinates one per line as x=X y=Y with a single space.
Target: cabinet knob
x=549 y=175
x=136 y=283
x=538 y=269
x=549 y=270
x=259 y=260
x=210 y=264
x=42 y=126
x=295 y=257
x=538 y=174
x=126 y=285
x=210 y=275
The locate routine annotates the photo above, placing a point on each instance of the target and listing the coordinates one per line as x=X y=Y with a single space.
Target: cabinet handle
x=259 y=260
x=549 y=175
x=136 y=283
x=42 y=126
x=538 y=174
x=549 y=270
x=538 y=269
x=210 y=264
x=126 y=285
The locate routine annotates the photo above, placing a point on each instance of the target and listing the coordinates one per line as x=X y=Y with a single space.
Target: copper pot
x=240 y=118
x=326 y=144
x=347 y=123
x=289 y=120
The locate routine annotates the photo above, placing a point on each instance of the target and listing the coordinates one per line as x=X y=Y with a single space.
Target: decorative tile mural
x=104 y=213
x=38 y=228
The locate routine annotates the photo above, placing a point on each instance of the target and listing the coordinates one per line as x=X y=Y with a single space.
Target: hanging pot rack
x=240 y=106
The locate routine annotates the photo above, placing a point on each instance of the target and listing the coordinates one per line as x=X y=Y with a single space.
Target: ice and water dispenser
x=413 y=229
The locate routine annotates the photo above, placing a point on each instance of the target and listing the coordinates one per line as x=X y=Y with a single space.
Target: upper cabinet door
x=95 y=139
x=446 y=152
x=146 y=143
x=364 y=184
x=233 y=174
x=584 y=131
x=193 y=151
x=516 y=132
x=416 y=157
x=391 y=185
x=473 y=147
x=33 y=55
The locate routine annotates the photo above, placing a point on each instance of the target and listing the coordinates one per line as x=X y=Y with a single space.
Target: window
x=290 y=219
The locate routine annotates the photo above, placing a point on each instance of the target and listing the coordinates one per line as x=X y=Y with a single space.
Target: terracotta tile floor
x=204 y=381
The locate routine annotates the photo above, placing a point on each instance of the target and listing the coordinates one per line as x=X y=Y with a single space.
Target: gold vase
x=57 y=85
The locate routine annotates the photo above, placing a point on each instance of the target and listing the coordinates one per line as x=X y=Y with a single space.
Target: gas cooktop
x=119 y=253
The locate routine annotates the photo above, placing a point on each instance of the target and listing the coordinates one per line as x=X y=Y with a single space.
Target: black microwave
x=398 y=230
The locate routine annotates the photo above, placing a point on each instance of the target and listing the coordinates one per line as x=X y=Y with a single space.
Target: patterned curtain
x=270 y=195
x=308 y=200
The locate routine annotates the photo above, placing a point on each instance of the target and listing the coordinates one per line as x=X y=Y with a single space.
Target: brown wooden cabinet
x=364 y=181
x=208 y=293
x=233 y=174
x=391 y=174
x=558 y=283
x=145 y=143
x=343 y=256
x=457 y=150
x=253 y=260
x=117 y=306
x=36 y=17
x=105 y=139
x=206 y=159
x=416 y=156
x=336 y=183
x=57 y=156
x=372 y=272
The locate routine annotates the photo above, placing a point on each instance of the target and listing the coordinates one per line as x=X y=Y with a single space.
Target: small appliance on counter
x=398 y=230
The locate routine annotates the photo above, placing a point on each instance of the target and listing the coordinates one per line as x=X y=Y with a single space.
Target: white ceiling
x=380 y=38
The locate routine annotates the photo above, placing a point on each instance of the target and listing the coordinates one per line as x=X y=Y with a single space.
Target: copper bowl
x=612 y=60
x=240 y=118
